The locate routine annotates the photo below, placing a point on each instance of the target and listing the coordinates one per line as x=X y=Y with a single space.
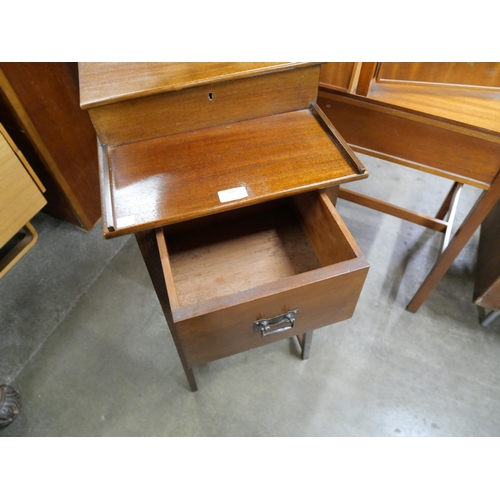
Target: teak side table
x=227 y=174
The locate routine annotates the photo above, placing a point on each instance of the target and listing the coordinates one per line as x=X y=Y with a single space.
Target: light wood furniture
x=40 y=109
x=227 y=174
x=487 y=283
x=21 y=199
x=441 y=118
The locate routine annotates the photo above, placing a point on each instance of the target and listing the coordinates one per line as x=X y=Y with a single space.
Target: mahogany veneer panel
x=175 y=178
x=107 y=82
x=40 y=108
x=197 y=107
x=425 y=143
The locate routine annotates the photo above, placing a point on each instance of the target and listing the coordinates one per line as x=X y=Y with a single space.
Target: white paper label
x=125 y=221
x=232 y=194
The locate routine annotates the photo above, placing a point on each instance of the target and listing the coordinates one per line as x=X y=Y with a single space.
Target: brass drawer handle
x=264 y=325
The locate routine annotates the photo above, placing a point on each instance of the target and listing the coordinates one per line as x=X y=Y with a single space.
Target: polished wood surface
x=478 y=110
x=463 y=154
x=228 y=276
x=178 y=177
x=107 y=82
x=210 y=105
x=487 y=282
x=39 y=105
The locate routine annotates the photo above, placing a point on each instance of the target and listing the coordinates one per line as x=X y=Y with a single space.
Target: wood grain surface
x=107 y=82
x=427 y=143
x=205 y=106
x=20 y=197
x=167 y=180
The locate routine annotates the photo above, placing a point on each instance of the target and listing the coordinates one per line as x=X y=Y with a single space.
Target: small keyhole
x=210 y=96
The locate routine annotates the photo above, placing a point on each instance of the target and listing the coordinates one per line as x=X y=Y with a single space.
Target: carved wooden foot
x=10 y=405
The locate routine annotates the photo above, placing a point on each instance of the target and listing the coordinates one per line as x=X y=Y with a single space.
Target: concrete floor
x=84 y=340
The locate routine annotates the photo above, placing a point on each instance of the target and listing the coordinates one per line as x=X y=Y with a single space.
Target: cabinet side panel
x=20 y=198
x=63 y=134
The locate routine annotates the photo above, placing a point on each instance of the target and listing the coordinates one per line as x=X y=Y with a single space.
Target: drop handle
x=272 y=326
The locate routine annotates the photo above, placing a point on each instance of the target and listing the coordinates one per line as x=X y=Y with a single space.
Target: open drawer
x=227 y=273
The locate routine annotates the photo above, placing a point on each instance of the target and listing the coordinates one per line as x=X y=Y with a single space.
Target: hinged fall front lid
x=204 y=140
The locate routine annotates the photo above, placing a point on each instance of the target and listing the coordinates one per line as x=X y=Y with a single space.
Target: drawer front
x=225 y=276
x=20 y=196
x=231 y=330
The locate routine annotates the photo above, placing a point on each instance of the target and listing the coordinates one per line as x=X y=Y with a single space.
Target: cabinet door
x=20 y=197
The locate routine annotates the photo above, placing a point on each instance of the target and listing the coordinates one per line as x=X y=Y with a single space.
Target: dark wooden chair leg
x=305 y=341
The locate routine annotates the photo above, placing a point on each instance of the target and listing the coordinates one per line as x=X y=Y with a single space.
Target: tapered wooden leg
x=484 y=204
x=151 y=255
x=305 y=341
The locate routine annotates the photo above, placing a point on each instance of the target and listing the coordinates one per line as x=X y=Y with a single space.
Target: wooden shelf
x=179 y=177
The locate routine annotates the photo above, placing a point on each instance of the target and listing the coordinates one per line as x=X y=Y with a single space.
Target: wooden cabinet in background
x=40 y=109
x=441 y=118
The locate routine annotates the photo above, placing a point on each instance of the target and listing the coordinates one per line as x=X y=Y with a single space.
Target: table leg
x=305 y=341
x=484 y=204
x=151 y=255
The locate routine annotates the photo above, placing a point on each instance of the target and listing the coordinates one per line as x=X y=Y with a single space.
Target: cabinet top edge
x=104 y=83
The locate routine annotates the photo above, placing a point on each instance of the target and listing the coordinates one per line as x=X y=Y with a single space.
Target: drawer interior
x=229 y=253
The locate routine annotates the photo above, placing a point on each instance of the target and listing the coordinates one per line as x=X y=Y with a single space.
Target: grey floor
x=84 y=340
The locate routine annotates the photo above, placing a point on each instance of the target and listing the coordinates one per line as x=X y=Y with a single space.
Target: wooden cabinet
x=226 y=175
x=21 y=199
x=40 y=109
x=441 y=118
